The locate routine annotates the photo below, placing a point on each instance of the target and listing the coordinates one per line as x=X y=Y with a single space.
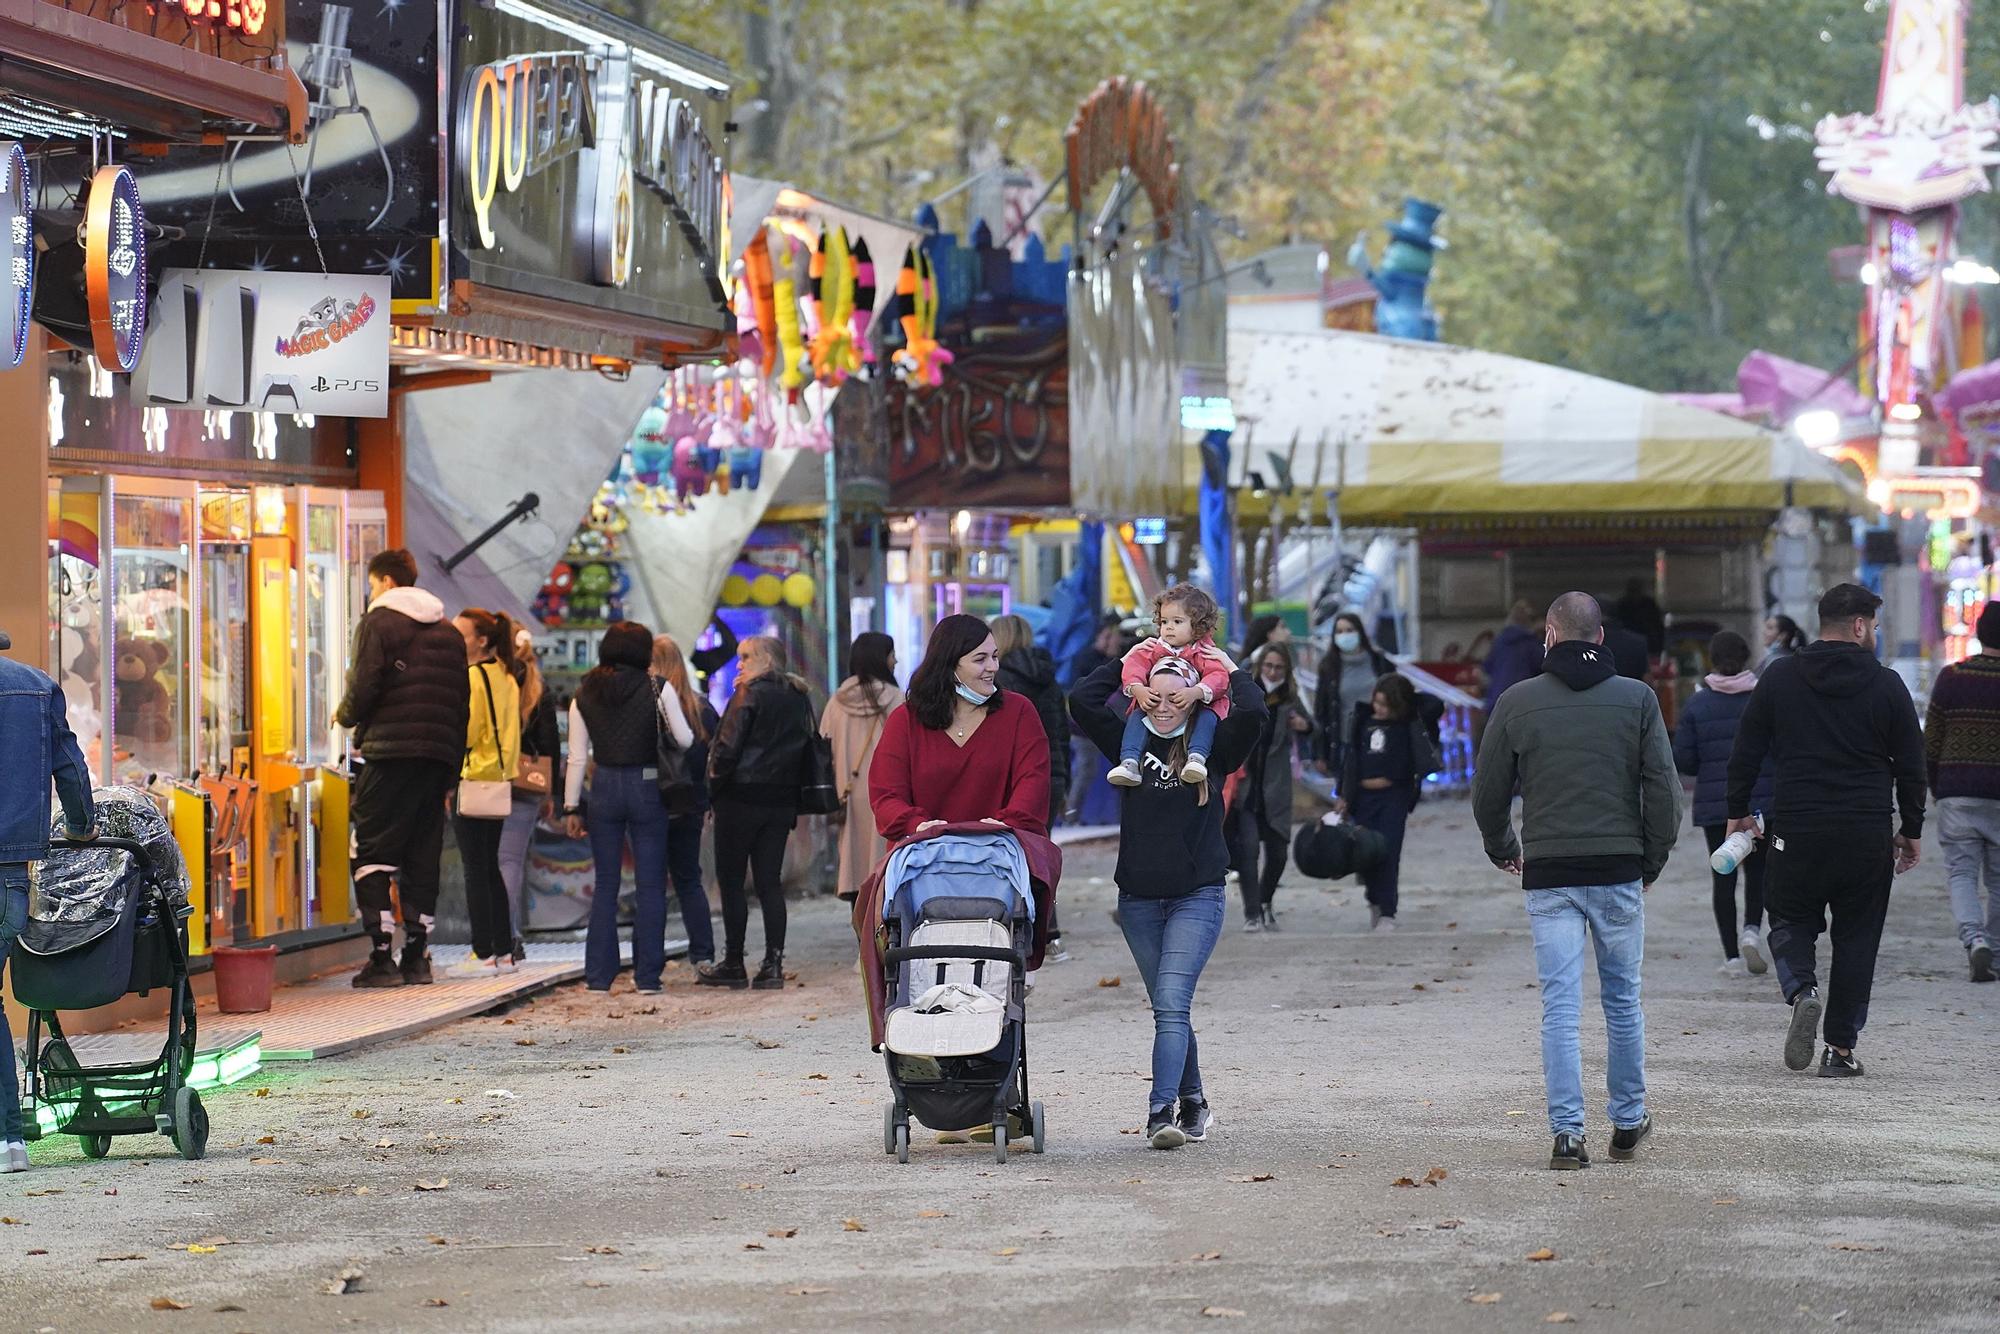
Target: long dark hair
x=1329 y=666
x=495 y=631
x=932 y=687
x=1790 y=637
x=868 y=659
x=625 y=644
x=1259 y=633
x=1284 y=693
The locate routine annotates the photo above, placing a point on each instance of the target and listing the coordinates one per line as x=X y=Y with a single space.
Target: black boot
x=771 y=977
x=729 y=973
x=416 y=967
x=379 y=971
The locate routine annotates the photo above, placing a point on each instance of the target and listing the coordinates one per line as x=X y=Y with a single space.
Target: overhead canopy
x=753 y=199
x=1414 y=433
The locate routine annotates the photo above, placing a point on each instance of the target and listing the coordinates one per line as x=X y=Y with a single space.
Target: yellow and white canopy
x=1422 y=433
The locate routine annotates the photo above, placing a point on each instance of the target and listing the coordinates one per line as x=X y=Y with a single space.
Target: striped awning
x=1411 y=433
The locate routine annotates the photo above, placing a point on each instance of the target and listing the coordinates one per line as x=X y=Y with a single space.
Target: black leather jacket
x=760 y=750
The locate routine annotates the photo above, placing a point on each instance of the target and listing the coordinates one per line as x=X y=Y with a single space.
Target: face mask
x=1147 y=718
x=1347 y=641
x=966 y=693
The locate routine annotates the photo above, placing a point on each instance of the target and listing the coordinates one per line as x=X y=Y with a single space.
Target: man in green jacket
x=1600 y=810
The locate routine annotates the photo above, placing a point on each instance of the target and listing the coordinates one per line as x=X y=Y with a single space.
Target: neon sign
x=244 y=16
x=17 y=237
x=114 y=268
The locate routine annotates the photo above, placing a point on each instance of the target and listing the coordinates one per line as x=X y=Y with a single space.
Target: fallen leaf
x=436 y=1301
x=932 y=1213
x=227 y=1308
x=739 y=1134
x=601 y=1250
x=267 y=1139
x=1517 y=1113
x=262 y=1162
x=131 y=1255
x=198 y=1249
x=1537 y=1257
x=38 y=1251
x=595 y=1283
x=1008 y=1250
x=385 y=1143
x=816 y=1076
x=524 y=1042
x=1483 y=1298
x=442 y=1183
x=621 y=1051
x=260 y=1093
x=1255 y=1177
x=1851 y=1246
x=1435 y=1175
x=362 y=1113
x=1110 y=981
x=753 y=1245
x=853 y=1225
x=1418 y=987
x=767 y=1044
x=346 y=1281
x=1726 y=1199
x=806 y=1291
x=1404 y=1181
x=782 y=1232
x=1559 y=1318
x=1447 y=1224
x=52 y=1190
x=1221 y=1312
x=1205 y=1255
x=167 y=1304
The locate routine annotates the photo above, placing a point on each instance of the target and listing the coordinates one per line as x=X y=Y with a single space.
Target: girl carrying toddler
x=1185 y=618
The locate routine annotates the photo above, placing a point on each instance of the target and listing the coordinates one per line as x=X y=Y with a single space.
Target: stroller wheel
x=903 y=1143
x=190 y=1123
x=889 y=1120
x=1040 y=1136
x=94 y=1146
x=1000 y=1142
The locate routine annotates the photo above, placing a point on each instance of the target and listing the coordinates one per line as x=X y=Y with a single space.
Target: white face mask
x=969 y=695
x=1164 y=736
x=1347 y=641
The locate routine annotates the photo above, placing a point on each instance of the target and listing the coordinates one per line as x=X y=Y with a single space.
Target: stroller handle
x=907 y=953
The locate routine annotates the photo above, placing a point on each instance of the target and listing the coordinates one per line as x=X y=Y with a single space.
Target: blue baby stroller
x=958 y=912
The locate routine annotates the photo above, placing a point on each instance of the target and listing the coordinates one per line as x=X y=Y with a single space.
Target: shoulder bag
x=819 y=786
x=536 y=776
x=678 y=790
x=854 y=775
x=487 y=798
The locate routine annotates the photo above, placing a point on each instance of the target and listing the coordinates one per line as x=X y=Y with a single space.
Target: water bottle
x=1726 y=858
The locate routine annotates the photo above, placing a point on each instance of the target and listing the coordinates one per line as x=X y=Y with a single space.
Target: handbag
x=679 y=792
x=854 y=776
x=535 y=776
x=487 y=798
x=819 y=790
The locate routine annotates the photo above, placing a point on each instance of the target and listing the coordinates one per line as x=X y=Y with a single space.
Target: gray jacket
x=1593 y=762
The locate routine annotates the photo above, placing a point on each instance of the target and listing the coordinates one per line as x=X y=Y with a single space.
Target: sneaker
x=1569 y=1155
x=1271 y=920
x=379 y=971
x=1385 y=924
x=729 y=973
x=1733 y=968
x=471 y=968
x=416 y=969
x=654 y=989
x=1055 y=952
x=1195 y=770
x=1124 y=774
x=1980 y=956
x=771 y=975
x=1625 y=1139
x=520 y=951
x=1374 y=917
x=1804 y=1032
x=1195 y=1119
x=1833 y=1065
x=1252 y=925
x=1751 y=942
x=16 y=1157
x=1162 y=1132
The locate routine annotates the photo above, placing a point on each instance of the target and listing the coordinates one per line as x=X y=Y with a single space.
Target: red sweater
x=1001 y=772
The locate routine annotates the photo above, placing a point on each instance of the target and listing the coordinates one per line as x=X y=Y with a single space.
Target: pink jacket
x=1203 y=655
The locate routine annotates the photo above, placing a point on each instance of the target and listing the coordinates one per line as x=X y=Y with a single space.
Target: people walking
x=492 y=759
x=1600 y=810
x=1516 y=654
x=40 y=751
x=408 y=703
x=853 y=720
x=960 y=750
x=1703 y=740
x=615 y=720
x=690 y=817
x=1962 y=756
x=1263 y=630
x=1841 y=733
x=535 y=783
x=1782 y=638
x=1347 y=677
x=1259 y=823
x=1392 y=754
x=755 y=767
x=1171 y=860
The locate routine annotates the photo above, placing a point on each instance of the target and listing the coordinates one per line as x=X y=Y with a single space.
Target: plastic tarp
x=1411 y=431
x=1218 y=534
x=79 y=893
x=1074 y=603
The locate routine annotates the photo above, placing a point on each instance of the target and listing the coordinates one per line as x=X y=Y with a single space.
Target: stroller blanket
x=79 y=893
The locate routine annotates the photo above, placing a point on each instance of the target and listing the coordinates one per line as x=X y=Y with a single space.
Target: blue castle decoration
x=1402 y=307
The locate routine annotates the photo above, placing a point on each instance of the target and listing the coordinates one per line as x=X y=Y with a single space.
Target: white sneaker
x=1752 y=944
x=1124 y=774
x=15 y=1159
x=1385 y=924
x=472 y=966
x=1195 y=770
x=1733 y=968
x=1056 y=952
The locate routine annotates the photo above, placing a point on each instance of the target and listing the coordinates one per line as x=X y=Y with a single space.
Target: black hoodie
x=1839 y=729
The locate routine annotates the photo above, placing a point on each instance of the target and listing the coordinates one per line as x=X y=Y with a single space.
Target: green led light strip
x=211 y=1070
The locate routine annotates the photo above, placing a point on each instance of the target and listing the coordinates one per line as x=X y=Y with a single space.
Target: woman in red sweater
x=960 y=749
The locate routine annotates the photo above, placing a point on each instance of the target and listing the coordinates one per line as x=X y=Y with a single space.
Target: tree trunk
x=1694 y=214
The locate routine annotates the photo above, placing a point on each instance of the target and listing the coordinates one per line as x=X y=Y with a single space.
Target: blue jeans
x=13 y=918
x=517 y=839
x=684 y=864
x=625 y=804
x=1171 y=940
x=1614 y=916
x=1201 y=734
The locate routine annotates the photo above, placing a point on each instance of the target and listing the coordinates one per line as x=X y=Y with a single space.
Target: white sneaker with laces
x=16 y=1157
x=1733 y=968
x=472 y=966
x=1124 y=774
x=1751 y=942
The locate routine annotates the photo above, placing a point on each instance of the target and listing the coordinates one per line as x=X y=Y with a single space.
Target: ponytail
x=495 y=630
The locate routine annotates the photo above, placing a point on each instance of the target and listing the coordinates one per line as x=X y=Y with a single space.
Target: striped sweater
x=1962 y=729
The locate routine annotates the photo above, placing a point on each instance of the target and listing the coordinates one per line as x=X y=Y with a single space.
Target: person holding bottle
x=1703 y=739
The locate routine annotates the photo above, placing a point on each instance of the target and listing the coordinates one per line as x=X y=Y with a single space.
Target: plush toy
x=834 y=357
x=690 y=477
x=763 y=299
x=651 y=449
x=864 y=299
x=746 y=467
x=791 y=342
x=587 y=598
x=921 y=360
x=145 y=712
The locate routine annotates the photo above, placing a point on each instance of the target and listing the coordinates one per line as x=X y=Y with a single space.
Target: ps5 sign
x=228 y=341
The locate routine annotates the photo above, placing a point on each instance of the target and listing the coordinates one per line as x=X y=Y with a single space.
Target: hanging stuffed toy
x=921 y=360
x=652 y=452
x=834 y=357
x=690 y=478
x=749 y=340
x=746 y=467
x=763 y=300
x=791 y=343
x=864 y=299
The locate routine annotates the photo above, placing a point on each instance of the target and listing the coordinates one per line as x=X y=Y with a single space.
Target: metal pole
x=834 y=602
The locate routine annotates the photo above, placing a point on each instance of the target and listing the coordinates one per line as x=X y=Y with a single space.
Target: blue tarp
x=1074 y=604
x=1218 y=540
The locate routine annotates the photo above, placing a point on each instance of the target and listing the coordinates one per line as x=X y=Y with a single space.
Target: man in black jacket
x=408 y=698
x=1840 y=731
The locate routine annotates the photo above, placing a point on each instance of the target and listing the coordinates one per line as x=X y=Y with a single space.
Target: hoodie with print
x=1600 y=802
x=408 y=692
x=1840 y=732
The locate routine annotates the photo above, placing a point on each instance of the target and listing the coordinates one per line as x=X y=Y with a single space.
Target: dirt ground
x=713 y=1160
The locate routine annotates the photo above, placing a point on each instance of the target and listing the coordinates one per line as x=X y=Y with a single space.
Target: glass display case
x=153 y=594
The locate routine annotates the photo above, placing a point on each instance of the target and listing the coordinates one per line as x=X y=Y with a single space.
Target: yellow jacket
x=489 y=758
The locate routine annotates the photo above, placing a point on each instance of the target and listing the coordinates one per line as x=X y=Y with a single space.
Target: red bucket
x=244 y=978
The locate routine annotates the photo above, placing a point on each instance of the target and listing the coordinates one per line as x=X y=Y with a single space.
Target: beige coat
x=855 y=730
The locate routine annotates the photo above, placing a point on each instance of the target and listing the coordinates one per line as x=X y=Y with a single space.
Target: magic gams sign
x=114 y=268
x=17 y=236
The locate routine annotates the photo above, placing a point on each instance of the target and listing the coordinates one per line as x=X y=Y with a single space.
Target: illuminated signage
x=17 y=234
x=1149 y=532
x=1207 y=412
x=114 y=268
x=244 y=16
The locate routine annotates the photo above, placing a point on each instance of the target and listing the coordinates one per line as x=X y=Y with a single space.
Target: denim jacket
x=36 y=746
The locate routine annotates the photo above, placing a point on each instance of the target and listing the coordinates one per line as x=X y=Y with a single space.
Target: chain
x=312 y=228
x=201 y=260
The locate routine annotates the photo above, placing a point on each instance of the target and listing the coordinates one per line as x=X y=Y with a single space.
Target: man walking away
x=39 y=750
x=408 y=697
x=1600 y=809
x=1840 y=731
x=1962 y=757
